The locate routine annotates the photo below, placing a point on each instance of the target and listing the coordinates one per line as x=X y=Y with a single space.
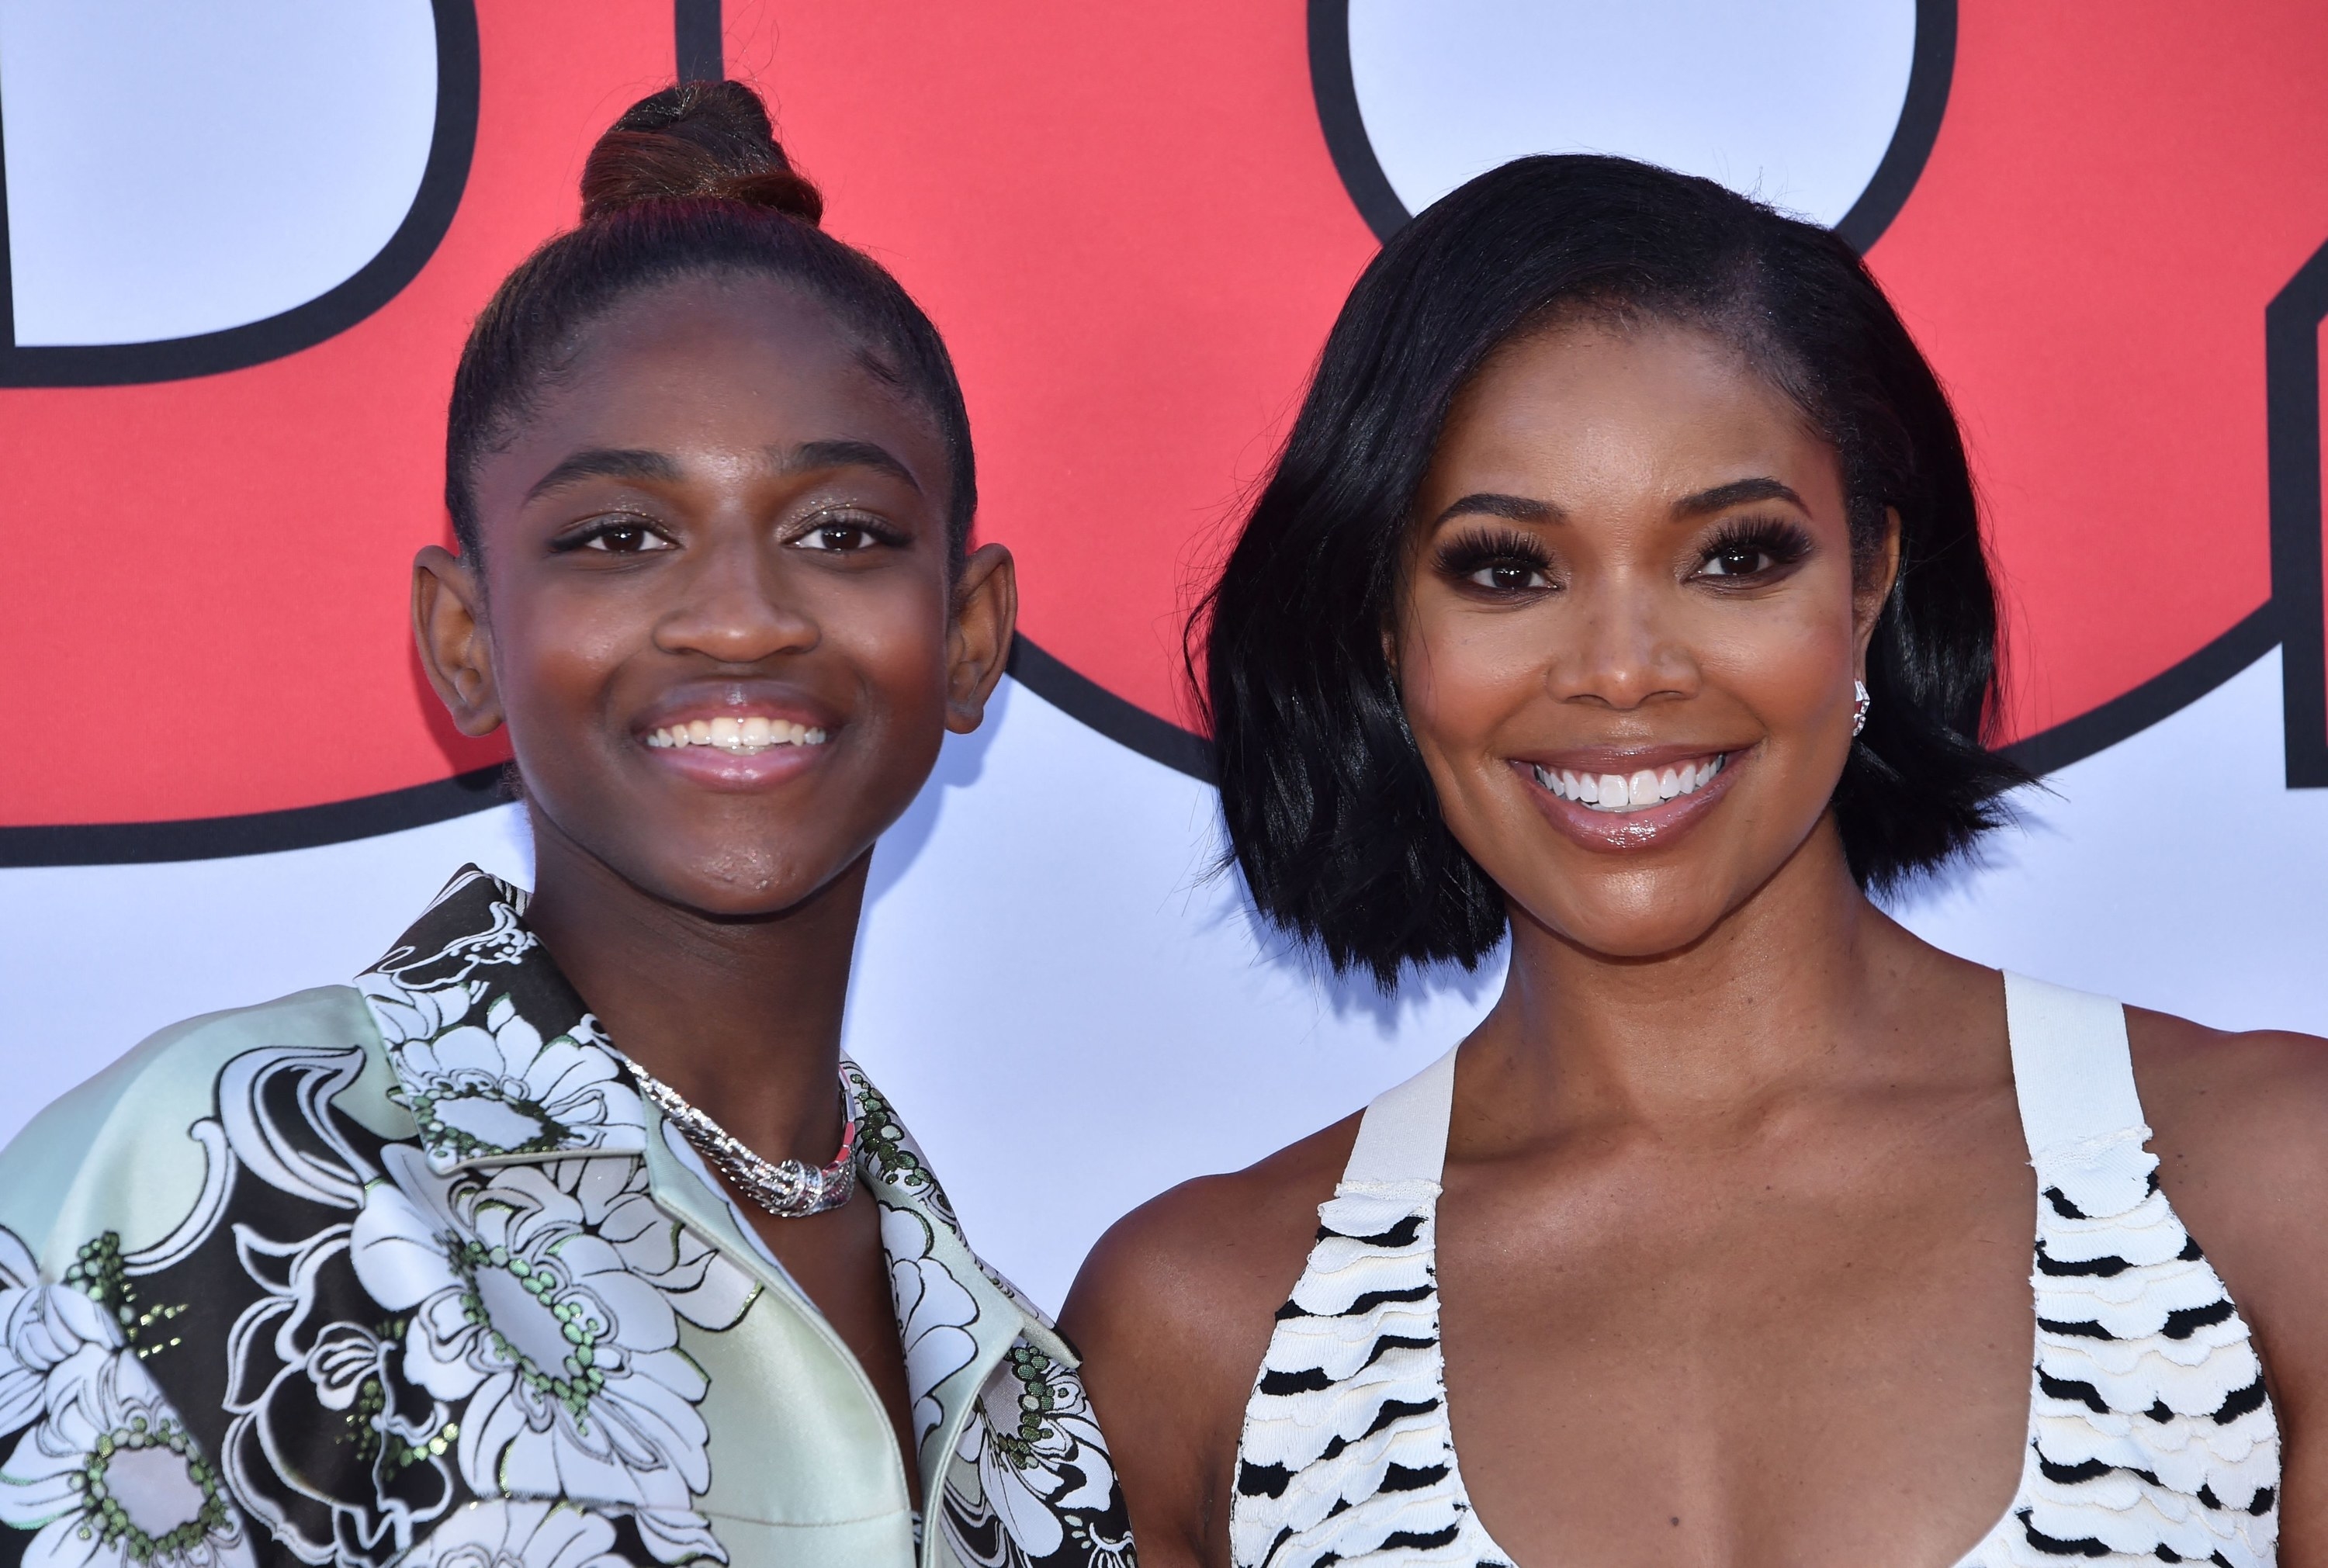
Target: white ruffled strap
x=2074 y=1075
x=1403 y=1137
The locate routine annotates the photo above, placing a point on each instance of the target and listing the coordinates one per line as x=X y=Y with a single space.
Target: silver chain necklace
x=787 y=1188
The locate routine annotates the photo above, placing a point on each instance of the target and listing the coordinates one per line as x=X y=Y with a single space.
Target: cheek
x=892 y=633
x=1783 y=659
x=554 y=651
x=1461 y=677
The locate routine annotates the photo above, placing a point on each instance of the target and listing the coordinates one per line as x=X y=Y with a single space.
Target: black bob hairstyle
x=688 y=182
x=1330 y=813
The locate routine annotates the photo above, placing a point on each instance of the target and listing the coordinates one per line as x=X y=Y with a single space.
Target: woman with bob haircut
x=565 y=1237
x=1620 y=588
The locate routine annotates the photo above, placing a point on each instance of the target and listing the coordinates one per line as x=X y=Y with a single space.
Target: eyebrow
x=814 y=455
x=1737 y=493
x=606 y=463
x=1516 y=508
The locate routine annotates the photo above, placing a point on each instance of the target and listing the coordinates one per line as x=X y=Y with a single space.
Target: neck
x=1804 y=989
x=741 y=1016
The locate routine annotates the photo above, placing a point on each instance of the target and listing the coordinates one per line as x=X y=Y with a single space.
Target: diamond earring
x=1860 y=702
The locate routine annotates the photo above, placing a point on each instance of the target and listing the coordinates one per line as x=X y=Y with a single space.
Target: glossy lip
x=708 y=767
x=1612 y=833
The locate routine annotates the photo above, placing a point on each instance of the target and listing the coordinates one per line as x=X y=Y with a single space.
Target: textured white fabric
x=2150 y=1438
x=2072 y=1069
x=1403 y=1137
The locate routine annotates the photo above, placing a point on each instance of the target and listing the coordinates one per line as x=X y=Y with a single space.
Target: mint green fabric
x=407 y=1271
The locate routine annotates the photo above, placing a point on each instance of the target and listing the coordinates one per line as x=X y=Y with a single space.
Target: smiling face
x=717 y=614
x=1629 y=631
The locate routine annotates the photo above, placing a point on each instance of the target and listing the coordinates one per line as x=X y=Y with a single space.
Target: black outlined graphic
x=2291 y=325
x=443 y=178
x=1929 y=72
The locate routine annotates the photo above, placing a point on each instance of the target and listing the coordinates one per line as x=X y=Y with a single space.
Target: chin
x=1637 y=945
x=1632 y=933
x=735 y=884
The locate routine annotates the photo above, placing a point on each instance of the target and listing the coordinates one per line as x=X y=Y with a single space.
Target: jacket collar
x=500 y=1064
x=493 y=1053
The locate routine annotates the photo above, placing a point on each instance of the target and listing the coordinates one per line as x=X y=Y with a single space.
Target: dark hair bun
x=702 y=138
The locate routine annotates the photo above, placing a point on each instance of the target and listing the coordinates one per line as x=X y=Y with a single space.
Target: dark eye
x=839 y=536
x=624 y=537
x=1510 y=577
x=1737 y=560
x=845 y=534
x=1505 y=562
x=1753 y=548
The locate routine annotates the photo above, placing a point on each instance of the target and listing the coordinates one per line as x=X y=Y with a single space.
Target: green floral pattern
x=462 y=1342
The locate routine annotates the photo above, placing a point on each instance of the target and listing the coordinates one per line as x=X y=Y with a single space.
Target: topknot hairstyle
x=704 y=139
x=688 y=181
x=1330 y=813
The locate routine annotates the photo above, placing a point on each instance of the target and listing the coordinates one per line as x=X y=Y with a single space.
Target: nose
x=1620 y=648
x=733 y=608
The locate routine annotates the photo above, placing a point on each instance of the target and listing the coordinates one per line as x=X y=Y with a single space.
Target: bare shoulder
x=1211 y=1253
x=2249 y=1109
x=1172 y=1314
x=2241 y=1135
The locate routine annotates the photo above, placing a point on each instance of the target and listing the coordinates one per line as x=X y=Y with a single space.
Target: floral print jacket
x=409 y=1272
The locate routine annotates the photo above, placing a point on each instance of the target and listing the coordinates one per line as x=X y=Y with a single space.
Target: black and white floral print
x=102 y=1472
x=1045 y=1488
x=543 y=1302
x=505 y=1533
x=1031 y=1482
x=494 y=1055
x=934 y=1313
x=464 y=1346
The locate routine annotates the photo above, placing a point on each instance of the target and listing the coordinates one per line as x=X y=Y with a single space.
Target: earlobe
x=448 y=625
x=978 y=643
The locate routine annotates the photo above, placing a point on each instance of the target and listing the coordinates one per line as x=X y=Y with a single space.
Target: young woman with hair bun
x=1620 y=591
x=565 y=1235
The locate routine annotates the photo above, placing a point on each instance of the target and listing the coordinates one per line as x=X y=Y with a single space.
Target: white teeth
x=737 y=736
x=1611 y=791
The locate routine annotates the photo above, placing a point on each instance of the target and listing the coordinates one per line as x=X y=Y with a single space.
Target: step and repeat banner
x=244 y=239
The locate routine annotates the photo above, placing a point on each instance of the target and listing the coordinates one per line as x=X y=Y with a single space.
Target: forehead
x=1646 y=402
x=714 y=364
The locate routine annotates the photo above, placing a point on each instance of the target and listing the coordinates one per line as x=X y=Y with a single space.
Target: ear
x=985 y=614
x=448 y=621
x=1874 y=591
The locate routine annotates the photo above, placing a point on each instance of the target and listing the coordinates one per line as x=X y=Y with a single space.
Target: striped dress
x=2150 y=1437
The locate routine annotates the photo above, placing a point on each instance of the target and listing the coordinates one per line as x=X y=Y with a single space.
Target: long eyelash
x=1477 y=549
x=601 y=526
x=880 y=528
x=1782 y=542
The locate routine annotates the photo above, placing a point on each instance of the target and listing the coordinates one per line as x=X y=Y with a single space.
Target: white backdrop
x=1109 y=969
x=1110 y=972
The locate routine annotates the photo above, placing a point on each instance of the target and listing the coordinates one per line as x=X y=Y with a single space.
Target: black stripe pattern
x=1345 y=1456
x=2151 y=1439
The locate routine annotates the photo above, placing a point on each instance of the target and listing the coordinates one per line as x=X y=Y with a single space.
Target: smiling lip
x=740 y=744
x=1617 y=801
